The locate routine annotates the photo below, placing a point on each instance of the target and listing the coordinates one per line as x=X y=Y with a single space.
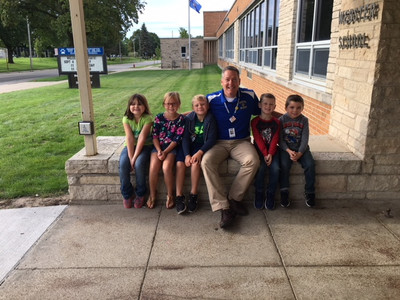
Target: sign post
x=85 y=90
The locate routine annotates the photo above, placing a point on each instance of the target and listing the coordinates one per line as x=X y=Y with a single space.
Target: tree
x=119 y=19
x=42 y=48
x=144 y=42
x=156 y=43
x=41 y=19
x=135 y=42
x=107 y=21
x=158 y=52
x=183 y=34
x=13 y=33
x=125 y=46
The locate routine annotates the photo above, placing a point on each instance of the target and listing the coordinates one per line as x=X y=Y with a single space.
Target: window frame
x=221 y=47
x=309 y=77
x=229 y=43
x=254 y=34
x=183 y=52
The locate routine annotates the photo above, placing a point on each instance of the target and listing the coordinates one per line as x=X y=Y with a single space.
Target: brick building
x=341 y=56
x=212 y=21
x=175 y=53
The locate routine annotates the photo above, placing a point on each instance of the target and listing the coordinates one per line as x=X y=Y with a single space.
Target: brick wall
x=171 y=56
x=234 y=13
x=212 y=20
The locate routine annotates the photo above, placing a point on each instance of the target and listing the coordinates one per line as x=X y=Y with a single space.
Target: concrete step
x=95 y=179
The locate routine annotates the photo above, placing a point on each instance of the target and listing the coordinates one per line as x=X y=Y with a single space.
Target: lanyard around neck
x=235 y=110
x=236 y=107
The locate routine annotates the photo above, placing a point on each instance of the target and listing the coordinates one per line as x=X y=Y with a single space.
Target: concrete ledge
x=95 y=179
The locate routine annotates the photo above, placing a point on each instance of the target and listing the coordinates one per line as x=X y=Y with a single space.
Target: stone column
x=366 y=95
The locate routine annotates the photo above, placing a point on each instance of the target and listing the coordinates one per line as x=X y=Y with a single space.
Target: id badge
x=232 y=133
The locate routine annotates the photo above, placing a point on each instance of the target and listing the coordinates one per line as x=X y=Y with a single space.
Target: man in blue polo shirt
x=232 y=107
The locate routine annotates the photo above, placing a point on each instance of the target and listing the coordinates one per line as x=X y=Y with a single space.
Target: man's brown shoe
x=238 y=207
x=227 y=217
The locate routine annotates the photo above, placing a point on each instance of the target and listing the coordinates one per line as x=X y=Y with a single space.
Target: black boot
x=227 y=217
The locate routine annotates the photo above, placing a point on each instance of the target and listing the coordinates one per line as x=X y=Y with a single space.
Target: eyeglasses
x=171 y=104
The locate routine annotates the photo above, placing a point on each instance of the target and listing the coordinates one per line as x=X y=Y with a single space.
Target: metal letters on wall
x=352 y=16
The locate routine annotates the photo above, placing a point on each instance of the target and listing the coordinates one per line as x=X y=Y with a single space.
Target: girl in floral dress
x=167 y=134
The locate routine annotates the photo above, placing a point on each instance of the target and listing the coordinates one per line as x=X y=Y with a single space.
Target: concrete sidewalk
x=13 y=87
x=339 y=250
x=20 y=229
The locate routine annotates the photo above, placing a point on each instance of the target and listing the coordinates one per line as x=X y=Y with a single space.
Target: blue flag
x=195 y=5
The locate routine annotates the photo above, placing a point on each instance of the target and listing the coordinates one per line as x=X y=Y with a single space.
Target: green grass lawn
x=39 y=127
x=24 y=64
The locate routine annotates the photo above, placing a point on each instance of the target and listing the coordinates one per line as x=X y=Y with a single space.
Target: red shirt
x=266 y=135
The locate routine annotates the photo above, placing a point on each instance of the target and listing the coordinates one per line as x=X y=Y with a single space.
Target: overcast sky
x=165 y=17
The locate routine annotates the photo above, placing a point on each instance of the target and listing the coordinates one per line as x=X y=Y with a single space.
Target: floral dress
x=168 y=131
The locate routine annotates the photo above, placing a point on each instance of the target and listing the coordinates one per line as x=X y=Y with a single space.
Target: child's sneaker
x=128 y=203
x=138 y=202
x=192 y=205
x=180 y=204
x=259 y=200
x=270 y=201
x=285 y=202
x=310 y=199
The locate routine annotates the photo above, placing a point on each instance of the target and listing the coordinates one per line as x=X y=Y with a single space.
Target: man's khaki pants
x=245 y=154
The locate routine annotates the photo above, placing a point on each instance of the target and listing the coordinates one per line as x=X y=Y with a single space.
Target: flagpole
x=190 y=46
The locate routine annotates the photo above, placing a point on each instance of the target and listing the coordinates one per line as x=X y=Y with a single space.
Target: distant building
x=3 y=53
x=175 y=53
x=212 y=22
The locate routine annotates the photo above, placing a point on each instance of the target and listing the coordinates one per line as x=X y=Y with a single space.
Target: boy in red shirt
x=266 y=129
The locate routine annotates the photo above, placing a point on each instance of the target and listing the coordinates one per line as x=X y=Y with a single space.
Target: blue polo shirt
x=233 y=118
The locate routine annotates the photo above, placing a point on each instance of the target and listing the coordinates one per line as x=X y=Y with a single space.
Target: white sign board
x=68 y=64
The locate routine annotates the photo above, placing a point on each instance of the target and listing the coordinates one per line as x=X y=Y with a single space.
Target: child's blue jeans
x=141 y=170
x=273 y=175
x=307 y=163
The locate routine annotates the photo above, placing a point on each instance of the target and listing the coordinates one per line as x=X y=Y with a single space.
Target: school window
x=183 y=52
x=313 y=39
x=220 y=47
x=259 y=35
x=229 y=43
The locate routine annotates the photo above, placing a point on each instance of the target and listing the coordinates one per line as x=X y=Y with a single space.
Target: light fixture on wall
x=226 y=19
